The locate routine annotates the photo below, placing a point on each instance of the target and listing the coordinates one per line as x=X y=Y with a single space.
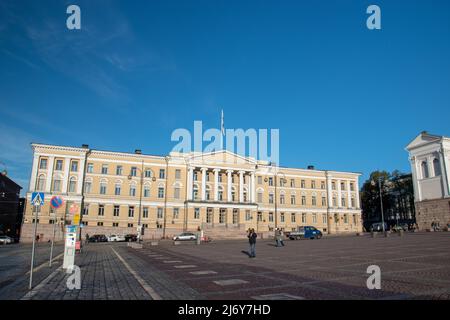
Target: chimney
x=85 y=146
x=138 y=151
x=310 y=167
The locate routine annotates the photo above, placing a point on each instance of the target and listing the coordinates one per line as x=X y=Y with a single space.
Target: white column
x=66 y=174
x=357 y=193
x=203 y=184
x=216 y=184
x=81 y=170
x=444 y=172
x=430 y=166
x=329 y=192
x=48 y=183
x=229 y=185
x=252 y=187
x=241 y=186
x=34 y=172
x=418 y=195
x=349 y=195
x=338 y=182
x=189 y=182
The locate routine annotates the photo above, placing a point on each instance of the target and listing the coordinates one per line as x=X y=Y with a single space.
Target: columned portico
x=241 y=186
x=204 y=170
x=216 y=184
x=229 y=185
x=189 y=183
x=338 y=182
x=252 y=187
x=349 y=195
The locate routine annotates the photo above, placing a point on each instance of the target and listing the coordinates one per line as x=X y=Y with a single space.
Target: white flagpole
x=222 y=130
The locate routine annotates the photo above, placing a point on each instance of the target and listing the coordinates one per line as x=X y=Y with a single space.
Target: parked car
x=185 y=236
x=131 y=237
x=116 y=238
x=399 y=227
x=6 y=240
x=98 y=238
x=306 y=232
x=378 y=226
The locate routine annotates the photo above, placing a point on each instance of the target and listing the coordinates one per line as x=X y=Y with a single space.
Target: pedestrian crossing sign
x=37 y=198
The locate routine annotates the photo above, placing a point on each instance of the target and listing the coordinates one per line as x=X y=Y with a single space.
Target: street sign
x=73 y=208
x=56 y=202
x=37 y=198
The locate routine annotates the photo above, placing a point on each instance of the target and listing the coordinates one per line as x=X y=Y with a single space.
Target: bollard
x=373 y=234
x=386 y=234
x=400 y=233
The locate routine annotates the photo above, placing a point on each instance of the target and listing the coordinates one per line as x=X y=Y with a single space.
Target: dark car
x=305 y=232
x=131 y=237
x=98 y=238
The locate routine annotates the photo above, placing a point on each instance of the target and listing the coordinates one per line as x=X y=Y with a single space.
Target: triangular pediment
x=422 y=139
x=222 y=157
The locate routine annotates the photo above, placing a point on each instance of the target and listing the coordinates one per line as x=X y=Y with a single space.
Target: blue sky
x=343 y=97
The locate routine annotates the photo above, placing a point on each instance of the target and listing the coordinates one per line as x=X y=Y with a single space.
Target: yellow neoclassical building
x=221 y=193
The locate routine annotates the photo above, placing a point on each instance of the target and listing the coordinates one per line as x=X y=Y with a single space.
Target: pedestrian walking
x=279 y=237
x=252 y=240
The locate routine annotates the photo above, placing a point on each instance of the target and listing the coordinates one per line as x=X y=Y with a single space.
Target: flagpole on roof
x=222 y=130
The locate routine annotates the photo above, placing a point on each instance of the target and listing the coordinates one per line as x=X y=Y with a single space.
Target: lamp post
x=381 y=203
x=140 y=198
x=276 y=194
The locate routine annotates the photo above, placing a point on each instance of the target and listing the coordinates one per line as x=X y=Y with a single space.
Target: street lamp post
x=140 y=199
x=276 y=196
x=381 y=203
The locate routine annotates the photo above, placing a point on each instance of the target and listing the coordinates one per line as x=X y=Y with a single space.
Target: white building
x=429 y=156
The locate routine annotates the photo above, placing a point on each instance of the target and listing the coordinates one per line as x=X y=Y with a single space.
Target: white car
x=5 y=240
x=185 y=236
x=116 y=238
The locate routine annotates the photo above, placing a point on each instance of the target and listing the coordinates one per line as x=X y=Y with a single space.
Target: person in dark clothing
x=252 y=240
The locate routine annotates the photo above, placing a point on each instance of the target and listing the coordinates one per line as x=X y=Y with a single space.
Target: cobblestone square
x=415 y=266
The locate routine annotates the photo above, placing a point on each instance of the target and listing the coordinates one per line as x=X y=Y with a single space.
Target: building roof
x=425 y=138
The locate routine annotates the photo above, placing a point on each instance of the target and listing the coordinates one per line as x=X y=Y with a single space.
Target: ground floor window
x=209 y=215
x=222 y=216
x=115 y=224
x=197 y=213
x=130 y=225
x=235 y=216
x=99 y=224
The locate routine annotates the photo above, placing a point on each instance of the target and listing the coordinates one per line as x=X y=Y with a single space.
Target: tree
x=398 y=198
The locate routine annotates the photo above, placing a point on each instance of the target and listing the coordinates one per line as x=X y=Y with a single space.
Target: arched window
x=220 y=193
x=146 y=190
x=437 y=167
x=233 y=193
x=425 y=173
x=72 y=184
x=132 y=190
x=40 y=186
x=103 y=185
x=117 y=189
x=195 y=192
x=208 y=192
x=57 y=184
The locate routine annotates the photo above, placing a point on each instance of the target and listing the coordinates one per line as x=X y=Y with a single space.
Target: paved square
x=415 y=266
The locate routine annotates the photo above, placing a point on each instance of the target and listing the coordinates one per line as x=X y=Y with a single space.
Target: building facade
x=11 y=207
x=221 y=193
x=429 y=156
